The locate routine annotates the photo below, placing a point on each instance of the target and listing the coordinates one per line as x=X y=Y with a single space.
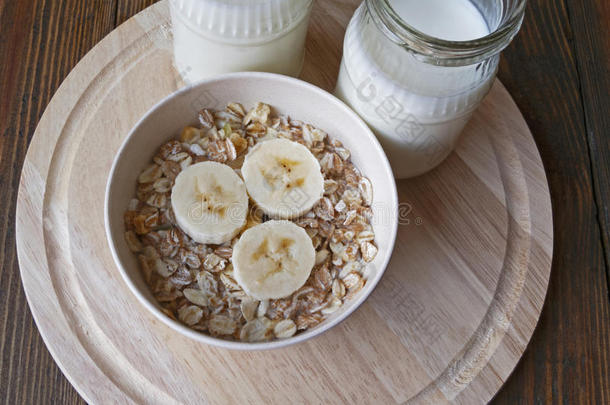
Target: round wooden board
x=448 y=323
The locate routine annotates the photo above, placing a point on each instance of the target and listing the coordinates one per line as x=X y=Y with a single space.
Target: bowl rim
x=277 y=343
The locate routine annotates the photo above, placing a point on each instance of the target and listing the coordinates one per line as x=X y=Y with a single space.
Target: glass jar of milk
x=222 y=36
x=415 y=71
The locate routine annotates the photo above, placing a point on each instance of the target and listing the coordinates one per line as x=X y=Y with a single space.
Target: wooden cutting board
x=449 y=321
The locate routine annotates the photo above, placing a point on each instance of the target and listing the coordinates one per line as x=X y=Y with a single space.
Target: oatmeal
x=196 y=283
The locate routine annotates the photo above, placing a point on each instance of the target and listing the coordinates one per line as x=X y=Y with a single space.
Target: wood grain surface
x=545 y=70
x=453 y=313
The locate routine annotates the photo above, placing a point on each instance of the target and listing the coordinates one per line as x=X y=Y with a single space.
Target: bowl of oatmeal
x=251 y=211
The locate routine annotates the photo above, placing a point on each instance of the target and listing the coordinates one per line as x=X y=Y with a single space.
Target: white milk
x=453 y=20
x=416 y=109
x=221 y=36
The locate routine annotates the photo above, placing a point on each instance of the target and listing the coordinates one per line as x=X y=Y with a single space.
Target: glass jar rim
x=441 y=51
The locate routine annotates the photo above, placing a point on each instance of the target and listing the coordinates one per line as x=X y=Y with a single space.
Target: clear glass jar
x=415 y=91
x=222 y=36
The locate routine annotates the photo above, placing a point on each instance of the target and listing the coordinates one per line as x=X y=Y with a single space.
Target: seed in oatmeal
x=262 y=309
x=260 y=113
x=333 y=305
x=338 y=289
x=190 y=314
x=221 y=325
x=248 y=308
x=152 y=173
x=306 y=321
x=257 y=330
x=369 y=251
x=133 y=242
x=196 y=296
x=165 y=267
x=285 y=329
x=190 y=135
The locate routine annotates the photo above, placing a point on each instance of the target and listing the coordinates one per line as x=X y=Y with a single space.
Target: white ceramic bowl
x=286 y=95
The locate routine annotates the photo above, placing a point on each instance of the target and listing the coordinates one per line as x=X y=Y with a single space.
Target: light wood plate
x=448 y=322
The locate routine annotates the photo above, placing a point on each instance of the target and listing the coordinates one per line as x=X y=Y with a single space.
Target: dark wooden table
x=558 y=71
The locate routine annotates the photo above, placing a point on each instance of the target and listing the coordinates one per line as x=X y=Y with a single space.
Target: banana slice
x=210 y=202
x=283 y=178
x=272 y=260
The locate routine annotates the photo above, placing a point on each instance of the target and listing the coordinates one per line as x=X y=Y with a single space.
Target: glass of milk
x=415 y=71
x=221 y=36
